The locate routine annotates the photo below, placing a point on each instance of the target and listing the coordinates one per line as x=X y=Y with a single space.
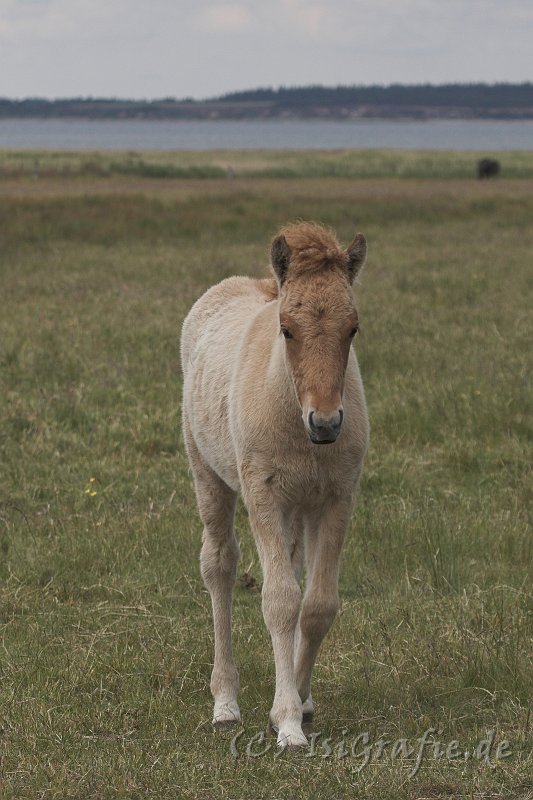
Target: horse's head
x=318 y=319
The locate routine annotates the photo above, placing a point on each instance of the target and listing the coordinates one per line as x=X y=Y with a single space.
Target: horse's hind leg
x=218 y=562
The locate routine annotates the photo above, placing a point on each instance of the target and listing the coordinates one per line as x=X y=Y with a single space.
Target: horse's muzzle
x=322 y=428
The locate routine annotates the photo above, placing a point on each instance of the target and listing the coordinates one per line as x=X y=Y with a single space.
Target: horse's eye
x=353 y=332
x=286 y=332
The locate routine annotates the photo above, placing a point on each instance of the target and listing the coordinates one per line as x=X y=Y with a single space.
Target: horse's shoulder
x=235 y=295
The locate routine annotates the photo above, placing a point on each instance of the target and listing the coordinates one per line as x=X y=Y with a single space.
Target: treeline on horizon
x=481 y=95
x=474 y=99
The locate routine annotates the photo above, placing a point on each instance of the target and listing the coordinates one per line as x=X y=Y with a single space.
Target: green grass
x=105 y=628
x=258 y=164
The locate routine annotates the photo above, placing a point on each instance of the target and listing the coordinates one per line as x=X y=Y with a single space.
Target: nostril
x=317 y=423
x=337 y=422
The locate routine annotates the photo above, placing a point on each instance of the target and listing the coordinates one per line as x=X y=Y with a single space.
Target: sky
x=204 y=48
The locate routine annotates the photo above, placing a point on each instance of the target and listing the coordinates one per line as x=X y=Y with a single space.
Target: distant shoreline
x=396 y=102
x=211 y=112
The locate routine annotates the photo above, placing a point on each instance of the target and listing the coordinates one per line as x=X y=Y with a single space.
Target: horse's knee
x=318 y=614
x=281 y=604
x=218 y=558
x=216 y=510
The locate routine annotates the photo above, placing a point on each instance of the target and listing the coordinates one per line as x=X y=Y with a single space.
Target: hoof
x=291 y=739
x=294 y=748
x=307 y=723
x=308 y=714
x=223 y=724
x=226 y=715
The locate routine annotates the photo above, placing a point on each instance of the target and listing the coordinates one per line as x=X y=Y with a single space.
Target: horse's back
x=210 y=344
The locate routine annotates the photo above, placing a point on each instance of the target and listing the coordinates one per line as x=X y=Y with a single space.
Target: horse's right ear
x=280 y=255
x=356 y=253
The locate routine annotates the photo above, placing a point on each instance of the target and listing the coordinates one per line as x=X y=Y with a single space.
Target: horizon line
x=272 y=89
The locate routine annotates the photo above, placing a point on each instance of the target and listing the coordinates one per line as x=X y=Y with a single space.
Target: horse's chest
x=305 y=481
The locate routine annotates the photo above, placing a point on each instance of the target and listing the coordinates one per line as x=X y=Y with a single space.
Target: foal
x=273 y=407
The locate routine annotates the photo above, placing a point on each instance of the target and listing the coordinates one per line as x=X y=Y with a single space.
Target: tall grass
x=369 y=163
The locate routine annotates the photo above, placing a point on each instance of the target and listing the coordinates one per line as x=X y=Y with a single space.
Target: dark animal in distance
x=487 y=168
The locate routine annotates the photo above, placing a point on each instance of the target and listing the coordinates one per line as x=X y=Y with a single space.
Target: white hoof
x=291 y=737
x=226 y=714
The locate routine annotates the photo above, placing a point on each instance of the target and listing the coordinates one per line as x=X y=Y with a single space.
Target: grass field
x=256 y=164
x=105 y=627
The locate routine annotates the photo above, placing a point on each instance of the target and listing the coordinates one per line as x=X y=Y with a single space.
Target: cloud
x=309 y=18
x=154 y=48
x=225 y=18
x=62 y=20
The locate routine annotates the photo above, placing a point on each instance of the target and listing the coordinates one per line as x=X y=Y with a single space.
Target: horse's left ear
x=280 y=255
x=356 y=253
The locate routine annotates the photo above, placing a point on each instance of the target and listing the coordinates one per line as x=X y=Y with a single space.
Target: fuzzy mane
x=314 y=248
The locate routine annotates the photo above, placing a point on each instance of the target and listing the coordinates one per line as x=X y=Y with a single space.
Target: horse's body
x=247 y=384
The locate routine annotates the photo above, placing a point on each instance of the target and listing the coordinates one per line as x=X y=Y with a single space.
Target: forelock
x=314 y=249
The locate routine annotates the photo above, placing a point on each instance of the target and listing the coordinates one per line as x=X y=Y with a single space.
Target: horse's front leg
x=281 y=605
x=324 y=540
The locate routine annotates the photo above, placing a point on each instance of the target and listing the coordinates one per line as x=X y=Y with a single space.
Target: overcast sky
x=203 y=48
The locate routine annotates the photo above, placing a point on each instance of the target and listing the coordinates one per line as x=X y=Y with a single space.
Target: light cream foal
x=273 y=407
